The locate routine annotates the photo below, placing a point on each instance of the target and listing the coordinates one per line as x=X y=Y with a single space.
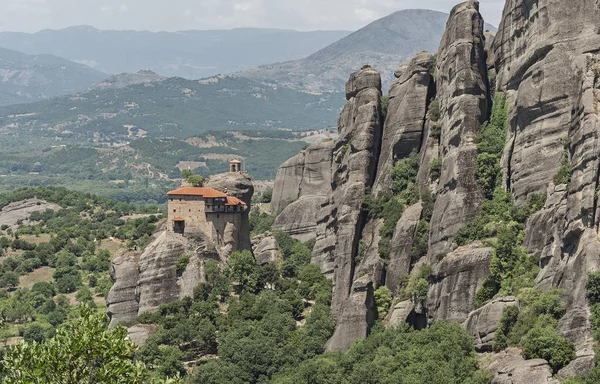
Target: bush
x=593 y=287
x=436 y=131
x=266 y=196
x=383 y=300
x=434 y=111
x=545 y=343
x=563 y=175
x=435 y=169
x=182 y=264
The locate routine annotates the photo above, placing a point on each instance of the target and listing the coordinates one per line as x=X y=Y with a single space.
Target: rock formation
x=144 y=282
x=340 y=220
x=301 y=187
x=462 y=94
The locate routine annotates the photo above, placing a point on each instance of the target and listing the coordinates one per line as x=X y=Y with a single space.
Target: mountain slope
x=189 y=54
x=25 y=78
x=383 y=44
x=172 y=107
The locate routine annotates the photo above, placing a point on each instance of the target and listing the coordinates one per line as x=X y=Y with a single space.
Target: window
x=190 y=210
x=174 y=210
x=217 y=218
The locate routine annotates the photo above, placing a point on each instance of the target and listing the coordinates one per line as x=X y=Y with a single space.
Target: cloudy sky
x=173 y=15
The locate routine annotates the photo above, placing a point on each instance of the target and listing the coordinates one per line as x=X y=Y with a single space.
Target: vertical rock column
x=340 y=220
x=462 y=93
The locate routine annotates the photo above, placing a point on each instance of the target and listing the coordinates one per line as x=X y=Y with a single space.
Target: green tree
x=82 y=351
x=243 y=270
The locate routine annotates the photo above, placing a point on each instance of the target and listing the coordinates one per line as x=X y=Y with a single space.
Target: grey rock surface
x=401 y=247
x=454 y=282
x=143 y=282
x=509 y=367
x=266 y=249
x=301 y=187
x=140 y=333
x=340 y=220
x=483 y=322
x=404 y=124
x=462 y=93
x=122 y=303
x=12 y=213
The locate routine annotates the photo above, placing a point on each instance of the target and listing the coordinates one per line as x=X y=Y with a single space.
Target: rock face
x=340 y=220
x=404 y=124
x=484 y=322
x=266 y=249
x=454 y=282
x=510 y=368
x=20 y=210
x=143 y=282
x=542 y=54
x=402 y=242
x=301 y=187
x=122 y=302
x=236 y=184
x=462 y=93
x=547 y=59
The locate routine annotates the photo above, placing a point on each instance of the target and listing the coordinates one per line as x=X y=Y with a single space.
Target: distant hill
x=384 y=44
x=188 y=54
x=170 y=107
x=25 y=78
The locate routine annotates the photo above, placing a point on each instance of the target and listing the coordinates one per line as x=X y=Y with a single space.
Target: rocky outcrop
x=266 y=249
x=401 y=247
x=340 y=220
x=122 y=303
x=484 y=322
x=404 y=124
x=144 y=282
x=236 y=184
x=406 y=312
x=462 y=93
x=140 y=333
x=509 y=367
x=454 y=281
x=541 y=52
x=301 y=187
x=18 y=211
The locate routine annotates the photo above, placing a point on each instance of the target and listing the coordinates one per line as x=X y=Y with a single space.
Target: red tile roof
x=234 y=201
x=197 y=191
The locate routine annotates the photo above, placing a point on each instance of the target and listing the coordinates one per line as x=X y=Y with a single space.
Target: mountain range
x=189 y=54
x=26 y=78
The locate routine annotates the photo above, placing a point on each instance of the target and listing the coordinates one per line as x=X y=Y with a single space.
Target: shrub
x=545 y=343
x=385 y=103
x=436 y=131
x=563 y=175
x=593 y=287
x=405 y=172
x=383 y=300
x=434 y=111
x=435 y=169
x=365 y=67
x=418 y=285
x=182 y=264
x=266 y=196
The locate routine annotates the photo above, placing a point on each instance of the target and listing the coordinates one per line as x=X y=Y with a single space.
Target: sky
x=174 y=15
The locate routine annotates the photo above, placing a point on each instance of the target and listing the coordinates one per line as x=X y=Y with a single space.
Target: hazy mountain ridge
x=25 y=78
x=189 y=54
x=172 y=107
x=384 y=44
